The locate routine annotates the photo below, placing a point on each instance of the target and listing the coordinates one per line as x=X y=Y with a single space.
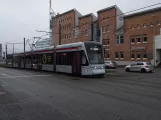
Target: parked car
x=140 y=67
x=110 y=64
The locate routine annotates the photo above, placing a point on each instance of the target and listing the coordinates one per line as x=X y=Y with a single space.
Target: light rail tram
x=81 y=58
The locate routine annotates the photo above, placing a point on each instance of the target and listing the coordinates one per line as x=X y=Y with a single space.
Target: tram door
x=39 y=62
x=76 y=63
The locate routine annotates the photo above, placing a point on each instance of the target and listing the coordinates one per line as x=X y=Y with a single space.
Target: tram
x=81 y=58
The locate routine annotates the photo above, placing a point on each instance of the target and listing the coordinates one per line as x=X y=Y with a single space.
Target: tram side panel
x=9 y=60
x=28 y=62
x=64 y=62
x=47 y=62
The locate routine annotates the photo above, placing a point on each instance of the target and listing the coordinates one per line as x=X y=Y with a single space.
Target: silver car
x=110 y=64
x=140 y=66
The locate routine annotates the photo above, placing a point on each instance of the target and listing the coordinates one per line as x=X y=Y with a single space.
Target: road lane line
x=4 y=74
x=26 y=76
x=12 y=72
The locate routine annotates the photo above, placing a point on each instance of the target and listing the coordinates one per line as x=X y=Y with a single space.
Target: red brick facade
x=67 y=23
x=128 y=40
x=141 y=29
x=84 y=27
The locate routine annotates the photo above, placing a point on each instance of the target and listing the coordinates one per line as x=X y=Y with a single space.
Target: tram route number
x=46 y=59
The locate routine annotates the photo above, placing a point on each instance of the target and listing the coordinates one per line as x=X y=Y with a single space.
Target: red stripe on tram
x=73 y=48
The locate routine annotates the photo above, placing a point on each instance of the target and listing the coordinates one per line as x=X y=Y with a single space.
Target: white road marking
x=4 y=74
x=13 y=72
x=26 y=76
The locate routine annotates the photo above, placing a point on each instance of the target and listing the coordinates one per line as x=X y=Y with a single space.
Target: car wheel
x=143 y=70
x=127 y=70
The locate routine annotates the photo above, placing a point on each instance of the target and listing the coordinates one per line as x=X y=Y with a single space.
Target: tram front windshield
x=94 y=53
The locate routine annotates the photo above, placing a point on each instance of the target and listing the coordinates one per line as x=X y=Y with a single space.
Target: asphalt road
x=31 y=95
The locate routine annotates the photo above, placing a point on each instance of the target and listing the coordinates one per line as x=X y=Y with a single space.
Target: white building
x=157 y=50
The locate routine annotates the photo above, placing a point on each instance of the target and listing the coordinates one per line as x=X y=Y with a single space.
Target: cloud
x=20 y=18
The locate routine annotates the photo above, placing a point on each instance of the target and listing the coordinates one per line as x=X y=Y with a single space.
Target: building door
x=76 y=63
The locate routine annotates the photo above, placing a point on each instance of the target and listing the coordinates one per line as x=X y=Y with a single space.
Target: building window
x=138 y=55
x=116 y=55
x=69 y=36
x=108 y=18
x=138 y=39
x=132 y=39
x=144 y=55
x=104 y=29
x=131 y=27
x=138 y=26
x=108 y=55
x=144 y=25
x=108 y=28
x=65 y=27
x=151 y=24
x=86 y=33
x=145 y=39
x=122 y=55
x=104 y=52
x=132 y=55
x=158 y=23
x=108 y=42
x=120 y=39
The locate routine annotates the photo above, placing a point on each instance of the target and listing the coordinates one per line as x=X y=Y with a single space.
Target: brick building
x=110 y=20
x=63 y=26
x=140 y=30
x=125 y=39
x=85 y=27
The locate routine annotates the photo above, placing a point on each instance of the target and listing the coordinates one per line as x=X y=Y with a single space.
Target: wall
x=119 y=21
x=158 y=42
x=105 y=19
x=77 y=15
x=0 y=52
x=140 y=20
x=157 y=53
x=95 y=27
x=67 y=33
x=94 y=17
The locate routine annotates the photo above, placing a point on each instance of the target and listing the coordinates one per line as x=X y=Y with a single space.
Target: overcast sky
x=20 y=18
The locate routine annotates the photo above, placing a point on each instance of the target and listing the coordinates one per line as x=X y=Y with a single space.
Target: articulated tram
x=81 y=58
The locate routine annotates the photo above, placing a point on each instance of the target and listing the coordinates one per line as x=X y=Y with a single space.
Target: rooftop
x=72 y=10
x=87 y=15
x=108 y=8
x=143 y=12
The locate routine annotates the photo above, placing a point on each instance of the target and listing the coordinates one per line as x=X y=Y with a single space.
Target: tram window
x=84 y=59
x=63 y=58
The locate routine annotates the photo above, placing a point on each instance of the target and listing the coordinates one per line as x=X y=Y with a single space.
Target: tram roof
x=77 y=44
x=37 y=50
